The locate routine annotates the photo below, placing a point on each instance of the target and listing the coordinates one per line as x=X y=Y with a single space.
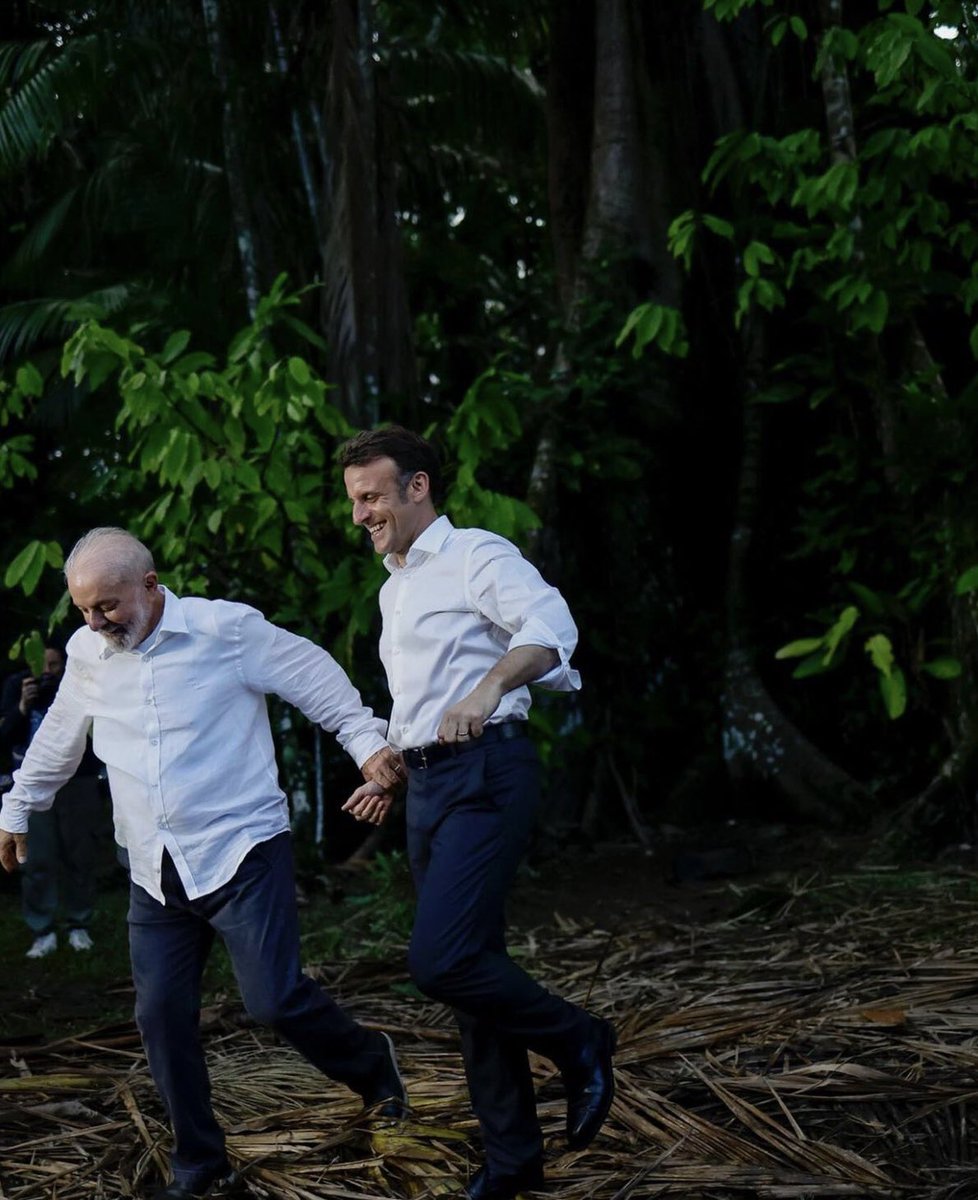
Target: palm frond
x=42 y=99
x=465 y=98
x=39 y=237
x=26 y=324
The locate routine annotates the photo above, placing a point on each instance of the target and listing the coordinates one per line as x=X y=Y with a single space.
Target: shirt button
x=154 y=741
x=397 y=649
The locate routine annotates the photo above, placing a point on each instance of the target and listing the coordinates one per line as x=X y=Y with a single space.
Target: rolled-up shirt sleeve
x=302 y=673
x=512 y=593
x=53 y=755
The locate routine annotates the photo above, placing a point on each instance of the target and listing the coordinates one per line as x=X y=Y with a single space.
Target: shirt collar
x=429 y=541
x=172 y=620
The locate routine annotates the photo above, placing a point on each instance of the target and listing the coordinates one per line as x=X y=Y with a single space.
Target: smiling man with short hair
x=468 y=623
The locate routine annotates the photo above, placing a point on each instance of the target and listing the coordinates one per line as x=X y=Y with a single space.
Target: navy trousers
x=469 y=822
x=255 y=914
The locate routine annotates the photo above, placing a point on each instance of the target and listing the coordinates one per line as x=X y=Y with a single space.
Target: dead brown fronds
x=827 y=1049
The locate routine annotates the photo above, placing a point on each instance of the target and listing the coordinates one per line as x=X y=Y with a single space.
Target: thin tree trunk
x=367 y=320
x=233 y=158
x=312 y=194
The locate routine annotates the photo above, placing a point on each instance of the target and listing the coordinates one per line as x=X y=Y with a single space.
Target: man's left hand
x=466 y=719
x=368 y=804
x=384 y=768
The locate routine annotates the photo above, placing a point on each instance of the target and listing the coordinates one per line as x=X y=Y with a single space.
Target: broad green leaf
x=894 y=691
x=25 y=568
x=799 y=648
x=33 y=650
x=880 y=650
x=29 y=380
x=869 y=599
x=176 y=343
x=967 y=582
x=847 y=619
x=943 y=668
x=299 y=370
x=813 y=665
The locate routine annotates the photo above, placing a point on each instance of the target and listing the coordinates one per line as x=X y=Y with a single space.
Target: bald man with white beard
x=173 y=691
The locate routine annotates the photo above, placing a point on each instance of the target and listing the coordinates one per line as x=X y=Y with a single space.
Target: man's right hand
x=384 y=768
x=28 y=694
x=13 y=849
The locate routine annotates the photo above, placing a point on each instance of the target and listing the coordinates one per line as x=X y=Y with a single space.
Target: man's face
x=392 y=518
x=122 y=611
x=54 y=662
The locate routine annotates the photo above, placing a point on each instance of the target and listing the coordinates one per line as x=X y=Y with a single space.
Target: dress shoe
x=387 y=1096
x=590 y=1086
x=484 y=1185
x=227 y=1185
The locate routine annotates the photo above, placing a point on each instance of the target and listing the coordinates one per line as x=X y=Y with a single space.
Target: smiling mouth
x=373 y=530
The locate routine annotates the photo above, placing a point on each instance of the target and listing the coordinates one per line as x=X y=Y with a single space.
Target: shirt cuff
x=365 y=746
x=560 y=678
x=14 y=817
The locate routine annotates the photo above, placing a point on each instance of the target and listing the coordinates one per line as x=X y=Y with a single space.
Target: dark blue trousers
x=255 y=914
x=469 y=822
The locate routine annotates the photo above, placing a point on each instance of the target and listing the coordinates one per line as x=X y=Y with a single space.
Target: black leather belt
x=426 y=756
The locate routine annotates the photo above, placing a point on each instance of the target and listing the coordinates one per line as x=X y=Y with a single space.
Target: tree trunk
x=311 y=192
x=231 y=126
x=367 y=320
x=760 y=743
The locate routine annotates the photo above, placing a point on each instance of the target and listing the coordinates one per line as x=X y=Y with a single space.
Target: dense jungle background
x=683 y=290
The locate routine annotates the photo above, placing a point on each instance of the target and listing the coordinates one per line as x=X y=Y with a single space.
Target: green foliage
x=226 y=467
x=487 y=422
x=659 y=324
x=387 y=908
x=853 y=222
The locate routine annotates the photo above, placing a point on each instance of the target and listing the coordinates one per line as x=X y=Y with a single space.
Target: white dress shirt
x=182 y=725
x=463 y=598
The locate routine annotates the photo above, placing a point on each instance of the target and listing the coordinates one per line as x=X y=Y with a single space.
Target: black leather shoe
x=484 y=1185
x=387 y=1097
x=590 y=1086
x=227 y=1185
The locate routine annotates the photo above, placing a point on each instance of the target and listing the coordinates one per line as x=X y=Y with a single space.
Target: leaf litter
x=824 y=1048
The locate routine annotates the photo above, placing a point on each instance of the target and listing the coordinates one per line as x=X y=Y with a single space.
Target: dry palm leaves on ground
x=821 y=1045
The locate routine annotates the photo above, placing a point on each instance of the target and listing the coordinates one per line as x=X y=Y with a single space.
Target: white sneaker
x=78 y=939
x=44 y=945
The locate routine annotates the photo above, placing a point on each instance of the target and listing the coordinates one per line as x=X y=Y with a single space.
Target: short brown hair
x=409 y=451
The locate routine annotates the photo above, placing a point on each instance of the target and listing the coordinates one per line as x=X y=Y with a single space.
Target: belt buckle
x=424 y=758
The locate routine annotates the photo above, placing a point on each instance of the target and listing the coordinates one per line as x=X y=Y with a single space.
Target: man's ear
x=151 y=581
x=420 y=486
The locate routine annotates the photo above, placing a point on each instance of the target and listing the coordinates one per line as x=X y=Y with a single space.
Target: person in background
x=174 y=691
x=467 y=624
x=64 y=837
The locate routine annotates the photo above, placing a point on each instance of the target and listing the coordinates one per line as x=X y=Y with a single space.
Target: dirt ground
x=698 y=875
x=792 y=1024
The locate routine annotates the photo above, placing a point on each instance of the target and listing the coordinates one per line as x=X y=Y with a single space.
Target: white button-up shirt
x=182 y=725
x=463 y=598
